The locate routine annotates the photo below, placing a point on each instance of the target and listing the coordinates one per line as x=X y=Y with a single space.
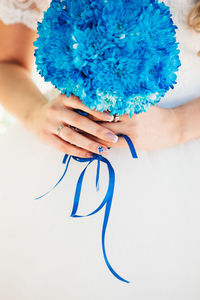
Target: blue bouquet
x=120 y=56
x=117 y=56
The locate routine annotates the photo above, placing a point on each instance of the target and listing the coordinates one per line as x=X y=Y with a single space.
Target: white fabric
x=153 y=231
x=27 y=12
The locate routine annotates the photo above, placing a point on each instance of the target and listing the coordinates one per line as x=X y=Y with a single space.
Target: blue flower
x=121 y=56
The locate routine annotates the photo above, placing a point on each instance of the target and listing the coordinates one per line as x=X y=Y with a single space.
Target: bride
x=153 y=232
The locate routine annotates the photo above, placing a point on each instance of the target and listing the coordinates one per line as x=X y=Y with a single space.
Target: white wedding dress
x=153 y=233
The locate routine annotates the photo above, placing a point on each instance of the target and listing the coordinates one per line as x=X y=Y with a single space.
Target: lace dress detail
x=27 y=12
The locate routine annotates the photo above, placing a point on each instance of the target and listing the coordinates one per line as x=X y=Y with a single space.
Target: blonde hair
x=193 y=19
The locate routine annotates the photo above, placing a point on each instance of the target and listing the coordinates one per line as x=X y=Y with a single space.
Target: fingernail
x=108 y=117
x=102 y=150
x=112 y=137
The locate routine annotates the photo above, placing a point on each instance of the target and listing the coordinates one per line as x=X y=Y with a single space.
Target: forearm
x=18 y=93
x=189 y=120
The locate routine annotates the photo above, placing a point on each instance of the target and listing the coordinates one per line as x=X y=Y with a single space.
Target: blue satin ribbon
x=107 y=201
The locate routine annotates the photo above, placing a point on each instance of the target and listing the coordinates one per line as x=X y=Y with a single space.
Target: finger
x=75 y=103
x=94 y=118
x=83 y=123
x=121 y=128
x=75 y=138
x=100 y=141
x=121 y=143
x=117 y=127
x=67 y=148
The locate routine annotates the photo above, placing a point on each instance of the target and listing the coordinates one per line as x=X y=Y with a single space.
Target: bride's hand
x=48 y=117
x=152 y=130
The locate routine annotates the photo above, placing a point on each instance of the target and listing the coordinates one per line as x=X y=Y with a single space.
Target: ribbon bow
x=107 y=201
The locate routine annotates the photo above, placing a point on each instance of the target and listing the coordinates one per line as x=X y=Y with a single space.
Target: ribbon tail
x=65 y=159
x=98 y=174
x=108 y=199
x=110 y=189
x=67 y=165
x=107 y=212
x=78 y=192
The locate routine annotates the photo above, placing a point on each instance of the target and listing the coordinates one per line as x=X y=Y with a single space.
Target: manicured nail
x=108 y=117
x=112 y=137
x=102 y=150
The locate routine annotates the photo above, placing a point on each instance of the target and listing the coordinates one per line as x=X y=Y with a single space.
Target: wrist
x=32 y=115
x=183 y=131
